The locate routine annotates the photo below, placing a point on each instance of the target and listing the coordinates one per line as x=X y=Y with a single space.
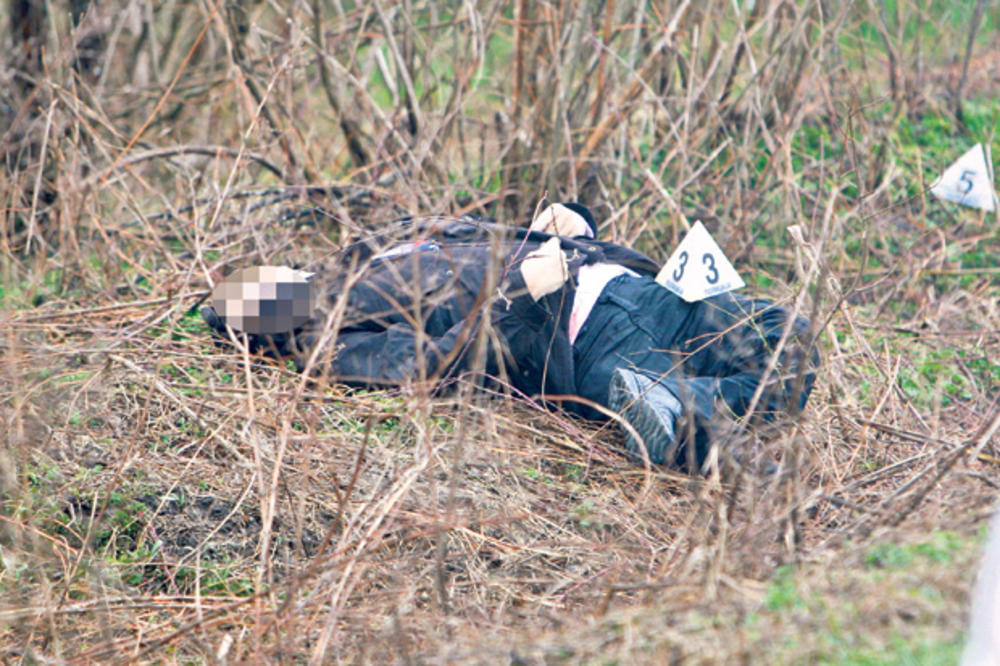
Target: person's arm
x=531 y=317
x=394 y=355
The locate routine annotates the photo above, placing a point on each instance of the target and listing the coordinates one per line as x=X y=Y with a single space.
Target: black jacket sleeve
x=538 y=355
x=394 y=355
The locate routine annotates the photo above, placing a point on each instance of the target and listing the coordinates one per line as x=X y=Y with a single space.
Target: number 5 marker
x=698 y=268
x=969 y=181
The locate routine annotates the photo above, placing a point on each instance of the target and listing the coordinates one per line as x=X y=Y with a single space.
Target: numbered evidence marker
x=969 y=181
x=698 y=269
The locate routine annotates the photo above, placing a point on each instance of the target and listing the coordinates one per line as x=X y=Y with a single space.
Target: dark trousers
x=711 y=354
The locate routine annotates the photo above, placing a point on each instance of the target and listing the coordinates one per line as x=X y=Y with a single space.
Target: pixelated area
x=264 y=299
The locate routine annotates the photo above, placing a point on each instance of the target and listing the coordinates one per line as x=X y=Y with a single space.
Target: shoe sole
x=627 y=399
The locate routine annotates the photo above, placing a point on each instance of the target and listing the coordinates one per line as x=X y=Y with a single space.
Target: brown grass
x=163 y=501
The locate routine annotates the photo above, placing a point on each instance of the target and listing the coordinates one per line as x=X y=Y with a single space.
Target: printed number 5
x=966 y=181
x=713 y=272
x=682 y=261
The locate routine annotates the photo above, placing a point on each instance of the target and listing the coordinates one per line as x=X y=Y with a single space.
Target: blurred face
x=264 y=300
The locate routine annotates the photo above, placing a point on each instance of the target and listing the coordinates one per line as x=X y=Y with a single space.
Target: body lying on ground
x=563 y=316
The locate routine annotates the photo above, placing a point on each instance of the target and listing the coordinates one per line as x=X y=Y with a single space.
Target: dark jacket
x=433 y=295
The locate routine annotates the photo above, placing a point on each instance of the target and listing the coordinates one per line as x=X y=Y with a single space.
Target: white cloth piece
x=408 y=248
x=545 y=269
x=561 y=221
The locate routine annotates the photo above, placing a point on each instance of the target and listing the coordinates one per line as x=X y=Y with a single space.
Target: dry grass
x=163 y=502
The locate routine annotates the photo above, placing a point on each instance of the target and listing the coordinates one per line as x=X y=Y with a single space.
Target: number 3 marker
x=693 y=282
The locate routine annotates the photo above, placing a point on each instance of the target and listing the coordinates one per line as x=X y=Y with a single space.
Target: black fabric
x=458 y=232
x=422 y=299
x=711 y=354
x=416 y=314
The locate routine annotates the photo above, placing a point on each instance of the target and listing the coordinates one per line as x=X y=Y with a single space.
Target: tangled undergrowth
x=162 y=500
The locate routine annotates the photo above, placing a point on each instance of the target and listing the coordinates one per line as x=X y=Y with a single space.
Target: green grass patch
x=885 y=608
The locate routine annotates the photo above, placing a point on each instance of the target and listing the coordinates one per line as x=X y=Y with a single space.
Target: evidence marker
x=698 y=268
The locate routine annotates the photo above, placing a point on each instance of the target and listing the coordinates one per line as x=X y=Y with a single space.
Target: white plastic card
x=698 y=268
x=969 y=181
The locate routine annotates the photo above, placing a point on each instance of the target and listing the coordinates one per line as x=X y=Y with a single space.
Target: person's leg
x=728 y=366
x=711 y=356
x=651 y=412
x=728 y=350
x=622 y=352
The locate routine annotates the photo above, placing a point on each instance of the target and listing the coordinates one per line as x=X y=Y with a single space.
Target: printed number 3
x=707 y=259
x=966 y=181
x=713 y=272
x=682 y=261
